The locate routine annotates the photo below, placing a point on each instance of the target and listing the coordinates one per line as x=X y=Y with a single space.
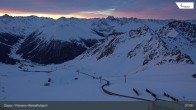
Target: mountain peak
x=111 y=18
x=6 y=16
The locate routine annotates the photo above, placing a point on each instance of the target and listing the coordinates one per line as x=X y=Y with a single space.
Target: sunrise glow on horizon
x=41 y=15
x=54 y=16
x=152 y=9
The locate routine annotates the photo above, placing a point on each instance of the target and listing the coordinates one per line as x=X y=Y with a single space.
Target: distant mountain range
x=114 y=40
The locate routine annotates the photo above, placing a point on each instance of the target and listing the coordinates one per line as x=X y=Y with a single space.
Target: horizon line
x=79 y=17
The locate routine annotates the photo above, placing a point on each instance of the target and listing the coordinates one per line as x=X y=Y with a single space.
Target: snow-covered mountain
x=158 y=55
x=42 y=36
x=143 y=47
x=47 y=41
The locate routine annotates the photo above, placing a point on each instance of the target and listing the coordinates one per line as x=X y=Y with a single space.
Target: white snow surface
x=175 y=79
x=19 y=85
x=172 y=33
x=67 y=29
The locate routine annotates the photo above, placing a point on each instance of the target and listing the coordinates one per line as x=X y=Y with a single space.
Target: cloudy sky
x=155 y=9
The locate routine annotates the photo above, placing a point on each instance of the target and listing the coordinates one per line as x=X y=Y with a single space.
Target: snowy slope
x=17 y=85
x=21 y=26
x=77 y=35
x=68 y=29
x=140 y=48
x=154 y=54
x=72 y=28
x=61 y=29
x=180 y=35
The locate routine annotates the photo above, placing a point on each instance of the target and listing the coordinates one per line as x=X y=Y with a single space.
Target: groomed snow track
x=116 y=94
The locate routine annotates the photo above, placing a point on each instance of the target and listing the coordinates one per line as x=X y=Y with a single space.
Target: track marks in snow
x=3 y=96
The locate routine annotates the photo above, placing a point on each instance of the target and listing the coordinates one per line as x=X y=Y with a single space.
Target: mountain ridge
x=48 y=41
